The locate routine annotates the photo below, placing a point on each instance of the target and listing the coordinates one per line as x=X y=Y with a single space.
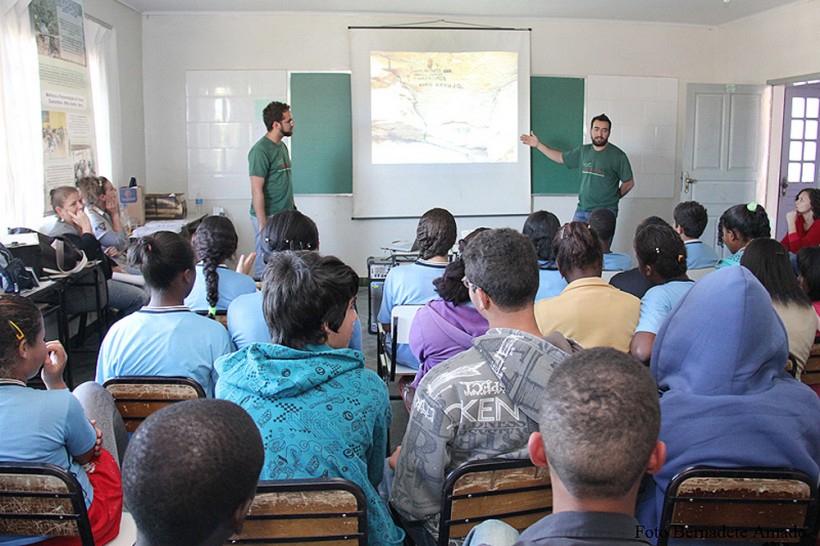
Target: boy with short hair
x=690 y=222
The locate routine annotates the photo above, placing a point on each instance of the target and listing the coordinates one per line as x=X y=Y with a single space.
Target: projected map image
x=435 y=107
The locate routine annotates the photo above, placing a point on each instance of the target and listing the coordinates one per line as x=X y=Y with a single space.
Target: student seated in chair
x=216 y=286
x=164 y=338
x=190 y=473
x=483 y=402
x=541 y=227
x=726 y=398
x=75 y=226
x=57 y=426
x=321 y=413
x=690 y=222
x=588 y=310
x=597 y=452
x=603 y=222
x=413 y=284
x=285 y=230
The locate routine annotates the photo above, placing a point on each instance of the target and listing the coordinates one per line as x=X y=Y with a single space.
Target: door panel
x=723 y=152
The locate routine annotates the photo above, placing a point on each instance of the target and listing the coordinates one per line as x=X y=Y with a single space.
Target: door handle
x=784 y=186
x=687 y=181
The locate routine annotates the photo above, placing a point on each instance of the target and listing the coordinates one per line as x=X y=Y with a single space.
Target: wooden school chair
x=744 y=504
x=137 y=397
x=512 y=490
x=39 y=499
x=330 y=512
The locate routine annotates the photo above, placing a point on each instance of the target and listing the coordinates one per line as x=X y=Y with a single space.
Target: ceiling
x=695 y=12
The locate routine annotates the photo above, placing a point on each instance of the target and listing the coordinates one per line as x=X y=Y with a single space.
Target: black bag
x=14 y=277
x=58 y=256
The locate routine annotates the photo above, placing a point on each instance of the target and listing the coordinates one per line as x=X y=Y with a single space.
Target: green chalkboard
x=322 y=145
x=322 y=138
x=557 y=117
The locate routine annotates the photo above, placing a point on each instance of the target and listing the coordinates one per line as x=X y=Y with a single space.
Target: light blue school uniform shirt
x=699 y=255
x=730 y=260
x=409 y=285
x=550 y=284
x=231 y=286
x=164 y=341
x=39 y=426
x=246 y=323
x=658 y=302
x=617 y=261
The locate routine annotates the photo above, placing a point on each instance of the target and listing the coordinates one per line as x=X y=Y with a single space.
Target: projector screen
x=436 y=118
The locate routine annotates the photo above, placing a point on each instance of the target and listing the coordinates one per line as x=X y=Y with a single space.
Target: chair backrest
x=401 y=317
x=38 y=499
x=811 y=371
x=744 y=504
x=514 y=491
x=137 y=397
x=329 y=511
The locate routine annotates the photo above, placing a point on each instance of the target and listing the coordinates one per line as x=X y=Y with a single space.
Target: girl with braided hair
x=164 y=338
x=216 y=286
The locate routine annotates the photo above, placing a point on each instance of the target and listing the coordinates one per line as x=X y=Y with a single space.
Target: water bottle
x=199 y=204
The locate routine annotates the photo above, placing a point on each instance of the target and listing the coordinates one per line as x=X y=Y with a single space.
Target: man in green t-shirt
x=606 y=175
x=269 y=167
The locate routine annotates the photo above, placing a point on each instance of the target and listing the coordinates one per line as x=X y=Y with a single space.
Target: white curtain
x=22 y=201
x=101 y=52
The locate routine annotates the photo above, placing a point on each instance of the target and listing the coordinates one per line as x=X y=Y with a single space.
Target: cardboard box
x=165 y=206
x=134 y=201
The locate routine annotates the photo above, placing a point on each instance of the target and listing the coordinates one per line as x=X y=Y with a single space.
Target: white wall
x=744 y=52
x=128 y=26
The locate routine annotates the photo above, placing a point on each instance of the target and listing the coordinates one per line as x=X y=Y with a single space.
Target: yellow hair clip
x=752 y=206
x=18 y=332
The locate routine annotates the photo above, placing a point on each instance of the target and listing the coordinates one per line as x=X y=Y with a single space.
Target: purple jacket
x=441 y=330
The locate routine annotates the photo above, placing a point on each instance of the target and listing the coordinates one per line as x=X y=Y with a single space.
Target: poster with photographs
x=67 y=116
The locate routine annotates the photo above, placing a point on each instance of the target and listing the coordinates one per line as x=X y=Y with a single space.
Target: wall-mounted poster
x=67 y=117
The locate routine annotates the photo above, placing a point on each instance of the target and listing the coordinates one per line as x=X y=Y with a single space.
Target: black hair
x=808 y=262
x=435 y=233
x=599 y=442
x=503 y=264
x=601 y=117
x=603 y=222
x=692 y=217
x=814 y=199
x=663 y=249
x=161 y=257
x=541 y=227
x=769 y=261
x=746 y=221
x=58 y=196
x=188 y=468
x=450 y=286
x=19 y=316
x=651 y=221
x=215 y=240
x=576 y=246
x=301 y=292
x=274 y=112
x=289 y=230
